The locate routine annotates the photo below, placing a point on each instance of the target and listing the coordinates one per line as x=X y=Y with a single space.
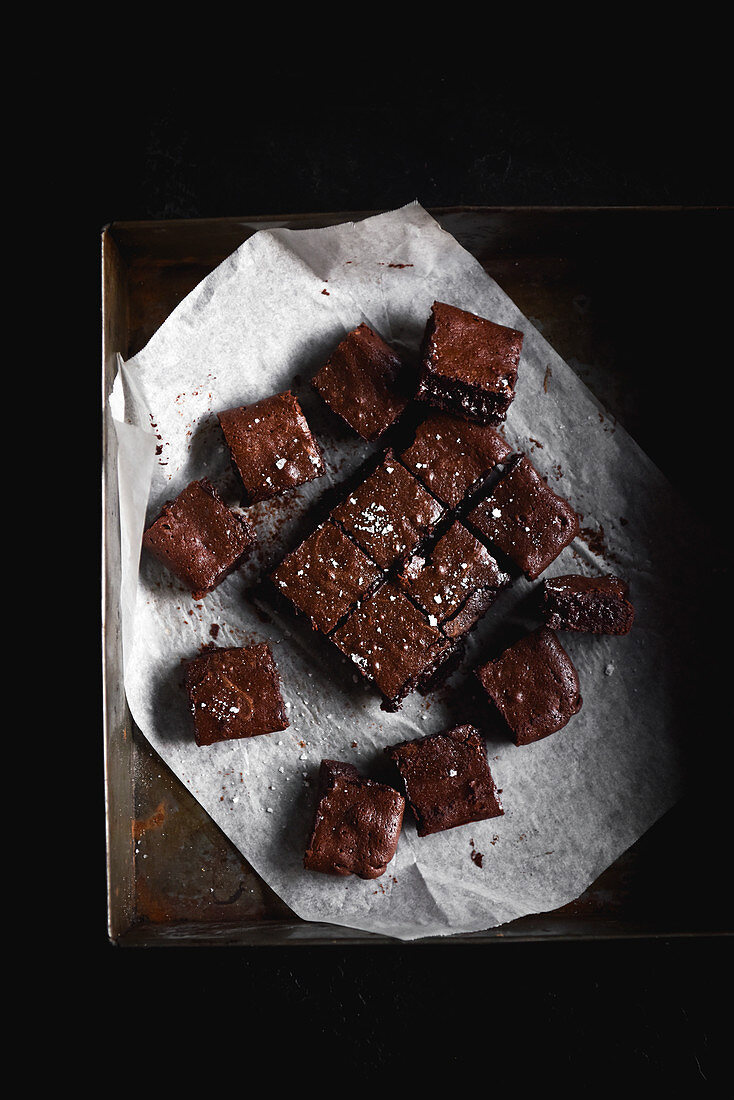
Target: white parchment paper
x=269 y=314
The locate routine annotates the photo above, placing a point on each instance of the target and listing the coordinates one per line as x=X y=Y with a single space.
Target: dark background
x=593 y=135
x=353 y=133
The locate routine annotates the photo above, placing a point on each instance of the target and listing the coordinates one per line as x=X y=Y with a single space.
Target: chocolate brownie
x=389 y=514
x=271 y=446
x=468 y=364
x=533 y=685
x=597 y=605
x=460 y=567
x=452 y=456
x=391 y=642
x=447 y=779
x=325 y=576
x=234 y=693
x=356 y=826
x=199 y=538
x=525 y=519
x=363 y=382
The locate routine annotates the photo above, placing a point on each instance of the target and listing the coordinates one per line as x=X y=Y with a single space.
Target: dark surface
x=588 y=135
x=629 y=1012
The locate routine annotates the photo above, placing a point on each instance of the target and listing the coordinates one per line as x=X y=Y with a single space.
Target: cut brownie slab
x=389 y=514
x=363 y=382
x=596 y=605
x=199 y=538
x=391 y=642
x=234 y=693
x=357 y=824
x=525 y=519
x=447 y=779
x=271 y=446
x=468 y=364
x=452 y=456
x=460 y=569
x=534 y=686
x=325 y=576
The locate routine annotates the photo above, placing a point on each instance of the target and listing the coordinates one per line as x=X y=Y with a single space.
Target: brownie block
x=459 y=569
x=363 y=382
x=271 y=446
x=447 y=779
x=533 y=685
x=325 y=576
x=452 y=456
x=357 y=824
x=389 y=514
x=199 y=538
x=391 y=642
x=234 y=693
x=596 y=605
x=468 y=364
x=525 y=519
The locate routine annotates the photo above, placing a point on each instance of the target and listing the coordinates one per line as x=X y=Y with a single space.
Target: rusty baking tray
x=173 y=877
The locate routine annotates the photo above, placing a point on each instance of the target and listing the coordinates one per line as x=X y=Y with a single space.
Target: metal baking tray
x=173 y=877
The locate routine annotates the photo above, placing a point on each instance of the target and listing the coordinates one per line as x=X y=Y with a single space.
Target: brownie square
x=389 y=514
x=460 y=567
x=271 y=446
x=596 y=605
x=391 y=642
x=468 y=364
x=533 y=685
x=363 y=382
x=199 y=538
x=447 y=779
x=325 y=576
x=524 y=518
x=234 y=693
x=452 y=456
x=357 y=824
x=470 y=612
